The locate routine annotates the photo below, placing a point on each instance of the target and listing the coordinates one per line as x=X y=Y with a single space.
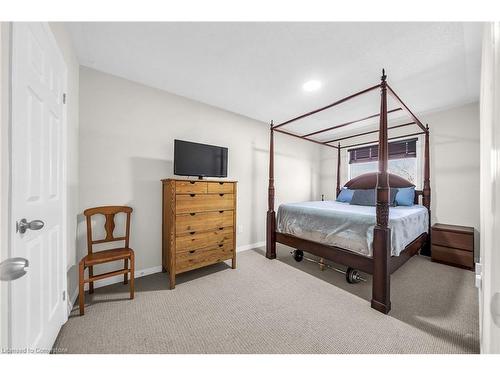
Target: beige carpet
x=280 y=306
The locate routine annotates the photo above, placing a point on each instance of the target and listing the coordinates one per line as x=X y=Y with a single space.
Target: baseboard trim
x=140 y=273
x=250 y=246
x=119 y=278
x=72 y=300
x=110 y=281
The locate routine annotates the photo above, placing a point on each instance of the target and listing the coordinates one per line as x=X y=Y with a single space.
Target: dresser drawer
x=453 y=256
x=452 y=239
x=220 y=187
x=202 y=221
x=190 y=187
x=192 y=203
x=205 y=239
x=190 y=260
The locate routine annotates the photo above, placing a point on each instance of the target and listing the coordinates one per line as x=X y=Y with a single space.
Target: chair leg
x=81 y=296
x=125 y=275
x=91 y=284
x=132 y=268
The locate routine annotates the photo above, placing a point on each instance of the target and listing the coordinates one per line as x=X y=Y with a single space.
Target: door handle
x=22 y=225
x=13 y=268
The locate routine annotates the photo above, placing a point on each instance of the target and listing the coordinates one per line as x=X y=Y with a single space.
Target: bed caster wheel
x=298 y=255
x=352 y=276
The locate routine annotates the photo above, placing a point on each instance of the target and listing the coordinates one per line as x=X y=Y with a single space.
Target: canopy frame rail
x=405 y=107
x=327 y=106
x=389 y=139
x=301 y=137
x=368 y=132
x=348 y=123
x=390 y=91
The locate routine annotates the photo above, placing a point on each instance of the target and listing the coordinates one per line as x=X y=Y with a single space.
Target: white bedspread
x=350 y=227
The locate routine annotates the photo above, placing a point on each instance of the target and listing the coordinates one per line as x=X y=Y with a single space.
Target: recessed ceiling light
x=311 y=85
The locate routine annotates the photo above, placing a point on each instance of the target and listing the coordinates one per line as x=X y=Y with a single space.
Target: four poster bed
x=386 y=252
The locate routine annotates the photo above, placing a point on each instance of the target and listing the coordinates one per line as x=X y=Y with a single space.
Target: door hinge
x=479 y=276
x=64 y=295
x=64 y=98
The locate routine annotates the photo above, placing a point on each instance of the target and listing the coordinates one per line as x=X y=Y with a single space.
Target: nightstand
x=453 y=245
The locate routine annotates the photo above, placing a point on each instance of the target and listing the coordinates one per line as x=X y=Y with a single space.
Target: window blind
x=406 y=148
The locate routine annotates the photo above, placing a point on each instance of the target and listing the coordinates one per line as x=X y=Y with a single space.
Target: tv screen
x=197 y=159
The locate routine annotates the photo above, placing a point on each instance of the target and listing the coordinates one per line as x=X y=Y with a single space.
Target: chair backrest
x=109 y=213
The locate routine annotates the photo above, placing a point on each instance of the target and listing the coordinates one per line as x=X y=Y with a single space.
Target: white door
x=489 y=267
x=38 y=306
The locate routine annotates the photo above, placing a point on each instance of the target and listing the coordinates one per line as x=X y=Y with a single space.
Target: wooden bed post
x=426 y=196
x=271 y=215
x=381 y=300
x=338 y=170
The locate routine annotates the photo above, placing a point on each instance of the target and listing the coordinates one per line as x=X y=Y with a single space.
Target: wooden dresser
x=453 y=245
x=199 y=224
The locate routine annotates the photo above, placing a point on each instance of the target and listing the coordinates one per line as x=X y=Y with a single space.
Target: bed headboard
x=369 y=181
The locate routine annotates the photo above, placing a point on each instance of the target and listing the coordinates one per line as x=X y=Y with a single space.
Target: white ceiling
x=257 y=69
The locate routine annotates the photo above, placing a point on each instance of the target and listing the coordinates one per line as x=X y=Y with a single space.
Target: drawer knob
x=221 y=228
x=221 y=183
x=221 y=194
x=192 y=232
x=192 y=182
x=221 y=212
x=221 y=244
x=192 y=213
x=192 y=195
x=191 y=251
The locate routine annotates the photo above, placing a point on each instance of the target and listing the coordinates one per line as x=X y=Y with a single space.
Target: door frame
x=6 y=174
x=489 y=263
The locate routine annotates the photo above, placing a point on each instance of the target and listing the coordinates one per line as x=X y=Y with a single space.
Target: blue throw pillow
x=345 y=195
x=405 y=196
x=368 y=197
x=392 y=196
x=364 y=197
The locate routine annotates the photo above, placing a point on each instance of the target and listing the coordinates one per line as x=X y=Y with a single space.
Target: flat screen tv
x=197 y=159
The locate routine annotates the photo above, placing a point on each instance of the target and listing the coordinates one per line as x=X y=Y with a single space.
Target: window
x=402 y=159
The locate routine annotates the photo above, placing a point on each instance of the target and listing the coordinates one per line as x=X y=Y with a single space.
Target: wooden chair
x=104 y=256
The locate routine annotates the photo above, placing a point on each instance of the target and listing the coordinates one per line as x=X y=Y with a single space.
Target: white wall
x=454 y=155
x=126 y=147
x=454 y=148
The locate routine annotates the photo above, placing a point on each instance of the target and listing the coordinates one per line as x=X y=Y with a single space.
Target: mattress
x=349 y=226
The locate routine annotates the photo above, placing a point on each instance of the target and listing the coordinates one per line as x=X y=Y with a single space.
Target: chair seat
x=108 y=256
